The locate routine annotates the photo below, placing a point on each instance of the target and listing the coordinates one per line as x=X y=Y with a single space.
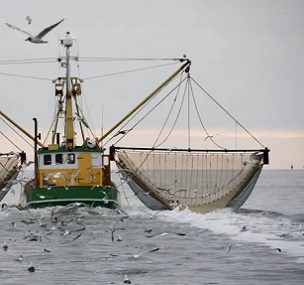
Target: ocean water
x=261 y=244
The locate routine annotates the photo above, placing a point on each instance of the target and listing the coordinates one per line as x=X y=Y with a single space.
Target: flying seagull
x=29 y=20
x=31 y=268
x=127 y=280
x=36 y=39
x=5 y=246
x=210 y=137
x=151 y=250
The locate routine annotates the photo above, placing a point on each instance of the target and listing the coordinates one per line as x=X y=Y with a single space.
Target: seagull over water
x=29 y=20
x=36 y=39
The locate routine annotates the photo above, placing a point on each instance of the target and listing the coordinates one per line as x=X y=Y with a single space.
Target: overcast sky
x=249 y=55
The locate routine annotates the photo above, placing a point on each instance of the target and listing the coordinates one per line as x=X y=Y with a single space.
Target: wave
x=283 y=234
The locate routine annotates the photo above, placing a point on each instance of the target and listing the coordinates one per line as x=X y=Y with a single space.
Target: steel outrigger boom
x=185 y=66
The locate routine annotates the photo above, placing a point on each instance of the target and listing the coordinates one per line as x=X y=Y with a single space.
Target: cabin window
x=106 y=160
x=59 y=159
x=71 y=158
x=47 y=159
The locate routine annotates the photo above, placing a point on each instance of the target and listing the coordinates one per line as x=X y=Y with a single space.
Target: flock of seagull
x=65 y=223
x=70 y=227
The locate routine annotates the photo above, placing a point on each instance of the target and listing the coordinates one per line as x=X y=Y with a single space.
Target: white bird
x=54 y=175
x=94 y=187
x=127 y=280
x=5 y=246
x=230 y=246
x=29 y=20
x=151 y=250
x=28 y=163
x=35 y=39
x=82 y=120
x=41 y=224
x=20 y=258
x=165 y=233
x=31 y=268
x=210 y=137
x=42 y=196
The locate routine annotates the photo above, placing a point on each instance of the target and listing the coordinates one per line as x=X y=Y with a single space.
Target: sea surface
x=261 y=244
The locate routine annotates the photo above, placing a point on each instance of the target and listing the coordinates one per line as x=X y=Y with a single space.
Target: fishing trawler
x=200 y=175
x=66 y=172
x=198 y=179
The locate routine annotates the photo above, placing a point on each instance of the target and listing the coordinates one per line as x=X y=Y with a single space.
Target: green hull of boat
x=103 y=196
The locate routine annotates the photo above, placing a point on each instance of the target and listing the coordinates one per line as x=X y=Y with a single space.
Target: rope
x=16 y=133
x=25 y=76
x=55 y=121
x=175 y=121
x=209 y=95
x=123 y=189
x=27 y=61
x=200 y=119
x=188 y=117
x=96 y=59
x=142 y=118
x=149 y=113
x=167 y=118
x=10 y=141
x=126 y=71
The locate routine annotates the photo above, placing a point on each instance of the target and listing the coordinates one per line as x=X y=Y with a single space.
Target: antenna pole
x=69 y=124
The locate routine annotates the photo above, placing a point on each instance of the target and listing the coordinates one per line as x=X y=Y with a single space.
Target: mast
x=69 y=126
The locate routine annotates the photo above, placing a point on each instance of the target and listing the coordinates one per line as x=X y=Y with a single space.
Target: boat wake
x=283 y=234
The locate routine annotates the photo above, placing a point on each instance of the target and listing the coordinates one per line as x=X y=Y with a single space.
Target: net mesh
x=8 y=166
x=190 y=178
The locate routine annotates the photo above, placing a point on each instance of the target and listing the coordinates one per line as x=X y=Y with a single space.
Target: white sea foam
x=266 y=228
x=270 y=231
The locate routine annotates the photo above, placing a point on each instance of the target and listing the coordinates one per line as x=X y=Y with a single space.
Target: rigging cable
x=209 y=95
x=127 y=71
x=82 y=101
x=10 y=140
x=27 y=61
x=53 y=126
x=149 y=153
x=200 y=119
x=170 y=111
x=176 y=118
x=188 y=105
x=25 y=76
x=95 y=59
x=16 y=133
x=138 y=122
